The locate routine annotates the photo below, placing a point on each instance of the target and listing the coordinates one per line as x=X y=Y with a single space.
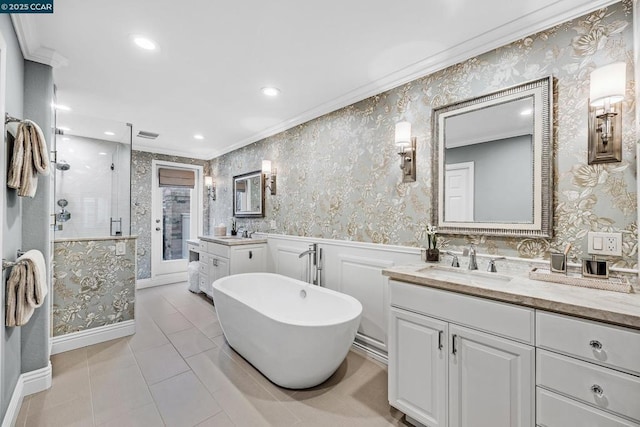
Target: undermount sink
x=462 y=276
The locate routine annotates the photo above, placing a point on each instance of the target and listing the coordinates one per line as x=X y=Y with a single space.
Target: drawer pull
x=595 y=344
x=440 y=340
x=454 y=350
x=214 y=262
x=597 y=390
x=250 y=254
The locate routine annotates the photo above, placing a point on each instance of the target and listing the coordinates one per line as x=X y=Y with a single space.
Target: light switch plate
x=121 y=249
x=604 y=243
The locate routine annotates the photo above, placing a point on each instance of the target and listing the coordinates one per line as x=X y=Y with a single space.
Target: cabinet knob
x=157 y=228
x=595 y=344
x=597 y=390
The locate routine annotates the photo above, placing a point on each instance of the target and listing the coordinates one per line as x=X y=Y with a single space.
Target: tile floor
x=178 y=370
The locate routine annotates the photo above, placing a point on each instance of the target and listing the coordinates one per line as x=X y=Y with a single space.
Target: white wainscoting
x=352 y=268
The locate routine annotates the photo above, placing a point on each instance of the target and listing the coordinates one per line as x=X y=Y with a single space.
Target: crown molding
x=30 y=44
x=137 y=146
x=542 y=19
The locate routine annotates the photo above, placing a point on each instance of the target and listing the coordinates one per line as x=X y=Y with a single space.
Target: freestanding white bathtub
x=295 y=340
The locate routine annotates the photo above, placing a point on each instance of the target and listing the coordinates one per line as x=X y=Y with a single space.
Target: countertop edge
x=232 y=242
x=547 y=304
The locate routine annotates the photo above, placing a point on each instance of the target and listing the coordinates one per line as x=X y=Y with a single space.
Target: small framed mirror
x=492 y=163
x=248 y=195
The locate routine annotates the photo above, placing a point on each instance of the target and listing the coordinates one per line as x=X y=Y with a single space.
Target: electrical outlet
x=604 y=243
x=121 y=249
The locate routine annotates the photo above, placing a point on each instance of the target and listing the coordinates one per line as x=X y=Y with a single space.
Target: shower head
x=62 y=165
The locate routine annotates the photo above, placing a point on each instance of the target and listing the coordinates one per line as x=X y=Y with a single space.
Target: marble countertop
x=605 y=306
x=232 y=240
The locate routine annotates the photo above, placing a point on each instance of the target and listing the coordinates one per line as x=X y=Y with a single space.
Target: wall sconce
x=407 y=145
x=211 y=188
x=606 y=93
x=269 y=176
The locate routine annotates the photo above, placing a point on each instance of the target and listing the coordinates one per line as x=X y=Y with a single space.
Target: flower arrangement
x=234 y=228
x=432 y=237
x=432 y=254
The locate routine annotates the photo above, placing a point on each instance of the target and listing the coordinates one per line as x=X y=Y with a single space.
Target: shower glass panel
x=93 y=177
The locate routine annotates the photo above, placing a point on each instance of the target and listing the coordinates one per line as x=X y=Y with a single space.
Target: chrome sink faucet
x=454 y=259
x=471 y=251
x=492 y=264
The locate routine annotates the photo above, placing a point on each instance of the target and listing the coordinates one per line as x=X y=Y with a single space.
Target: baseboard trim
x=92 y=336
x=162 y=280
x=370 y=352
x=28 y=383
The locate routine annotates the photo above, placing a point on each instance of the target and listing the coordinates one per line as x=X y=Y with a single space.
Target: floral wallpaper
x=141 y=182
x=92 y=286
x=338 y=175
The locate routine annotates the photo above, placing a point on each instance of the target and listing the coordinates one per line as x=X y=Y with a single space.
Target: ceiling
x=215 y=56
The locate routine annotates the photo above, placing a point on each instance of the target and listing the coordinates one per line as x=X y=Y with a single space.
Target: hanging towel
x=26 y=288
x=30 y=156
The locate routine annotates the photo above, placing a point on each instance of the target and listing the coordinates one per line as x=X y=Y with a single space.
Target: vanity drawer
x=592 y=384
x=592 y=341
x=203 y=268
x=218 y=249
x=495 y=317
x=554 y=410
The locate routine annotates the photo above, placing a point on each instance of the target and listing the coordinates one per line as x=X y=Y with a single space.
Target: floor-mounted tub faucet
x=314 y=269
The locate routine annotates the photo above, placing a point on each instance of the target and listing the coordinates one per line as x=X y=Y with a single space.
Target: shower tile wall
x=94 y=190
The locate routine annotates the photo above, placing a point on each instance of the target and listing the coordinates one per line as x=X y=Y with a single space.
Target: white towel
x=26 y=288
x=30 y=156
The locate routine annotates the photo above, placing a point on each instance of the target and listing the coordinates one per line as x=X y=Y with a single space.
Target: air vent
x=147 y=135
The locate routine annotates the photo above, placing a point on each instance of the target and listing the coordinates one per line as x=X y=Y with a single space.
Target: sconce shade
x=403 y=134
x=608 y=83
x=266 y=167
x=208 y=181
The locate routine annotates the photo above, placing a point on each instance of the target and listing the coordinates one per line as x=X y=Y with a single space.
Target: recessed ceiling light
x=64 y=128
x=109 y=133
x=102 y=153
x=61 y=107
x=198 y=136
x=66 y=139
x=270 y=91
x=144 y=42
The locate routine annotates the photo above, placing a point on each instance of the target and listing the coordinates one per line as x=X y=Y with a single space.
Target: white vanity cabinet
x=587 y=373
x=219 y=260
x=457 y=360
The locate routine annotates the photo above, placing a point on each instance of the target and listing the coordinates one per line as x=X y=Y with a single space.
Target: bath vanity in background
x=475 y=348
x=225 y=255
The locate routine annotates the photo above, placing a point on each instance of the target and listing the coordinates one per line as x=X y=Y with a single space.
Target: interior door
x=458 y=201
x=176 y=219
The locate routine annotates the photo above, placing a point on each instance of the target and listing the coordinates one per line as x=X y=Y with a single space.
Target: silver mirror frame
x=249 y=214
x=542 y=91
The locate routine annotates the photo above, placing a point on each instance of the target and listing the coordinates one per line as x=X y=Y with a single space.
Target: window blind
x=176 y=178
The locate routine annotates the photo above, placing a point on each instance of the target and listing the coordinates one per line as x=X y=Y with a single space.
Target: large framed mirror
x=248 y=195
x=492 y=163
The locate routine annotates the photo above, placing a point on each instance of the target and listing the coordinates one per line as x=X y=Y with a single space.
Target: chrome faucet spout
x=305 y=253
x=473 y=265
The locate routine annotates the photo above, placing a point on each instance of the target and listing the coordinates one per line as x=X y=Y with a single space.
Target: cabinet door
x=248 y=259
x=219 y=268
x=418 y=367
x=491 y=380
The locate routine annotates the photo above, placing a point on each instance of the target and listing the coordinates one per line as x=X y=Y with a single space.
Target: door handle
x=454 y=350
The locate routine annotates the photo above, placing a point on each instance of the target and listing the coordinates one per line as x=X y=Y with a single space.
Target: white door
x=490 y=380
x=458 y=192
x=176 y=218
x=418 y=367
